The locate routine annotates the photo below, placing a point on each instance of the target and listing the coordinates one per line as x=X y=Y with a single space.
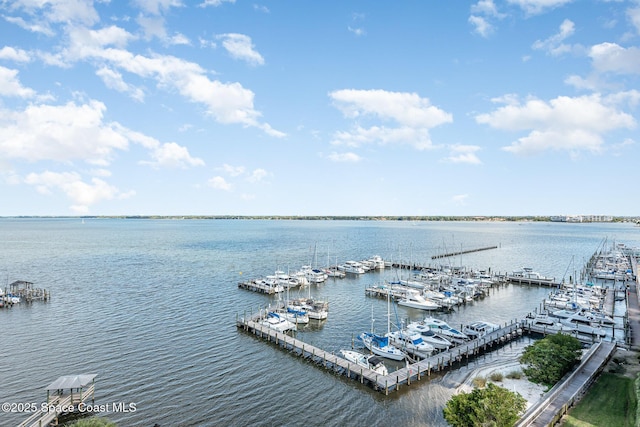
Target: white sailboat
x=379 y=344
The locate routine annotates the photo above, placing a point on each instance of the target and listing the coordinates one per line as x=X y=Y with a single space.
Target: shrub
x=479 y=382
x=515 y=375
x=497 y=376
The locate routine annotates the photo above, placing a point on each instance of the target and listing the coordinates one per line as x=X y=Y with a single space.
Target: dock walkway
x=557 y=401
x=384 y=383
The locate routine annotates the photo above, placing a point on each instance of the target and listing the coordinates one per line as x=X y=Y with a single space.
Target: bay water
x=150 y=307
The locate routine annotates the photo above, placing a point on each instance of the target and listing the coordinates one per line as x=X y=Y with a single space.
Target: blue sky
x=216 y=107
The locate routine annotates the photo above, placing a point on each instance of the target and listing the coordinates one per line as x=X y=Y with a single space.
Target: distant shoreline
x=478 y=218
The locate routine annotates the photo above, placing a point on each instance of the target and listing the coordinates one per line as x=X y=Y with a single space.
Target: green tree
x=549 y=359
x=492 y=406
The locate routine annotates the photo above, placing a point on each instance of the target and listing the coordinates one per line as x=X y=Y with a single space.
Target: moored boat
x=369 y=361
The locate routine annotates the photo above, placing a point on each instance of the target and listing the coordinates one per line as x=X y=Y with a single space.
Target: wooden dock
x=254 y=286
x=63 y=400
x=531 y=281
x=468 y=251
x=383 y=383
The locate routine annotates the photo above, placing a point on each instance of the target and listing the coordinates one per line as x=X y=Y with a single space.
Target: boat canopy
x=71 y=381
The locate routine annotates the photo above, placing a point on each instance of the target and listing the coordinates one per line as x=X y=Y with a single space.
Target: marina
x=168 y=339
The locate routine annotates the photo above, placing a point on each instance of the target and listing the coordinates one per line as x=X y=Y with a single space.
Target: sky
x=234 y=107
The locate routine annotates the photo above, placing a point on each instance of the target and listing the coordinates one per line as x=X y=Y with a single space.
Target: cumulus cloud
x=172 y=155
x=113 y=80
x=411 y=117
x=481 y=25
x=463 y=154
x=82 y=194
x=13 y=54
x=564 y=123
x=613 y=58
x=219 y=183
x=10 y=84
x=536 y=7
x=348 y=157
x=554 y=45
x=257 y=175
x=240 y=47
x=215 y=3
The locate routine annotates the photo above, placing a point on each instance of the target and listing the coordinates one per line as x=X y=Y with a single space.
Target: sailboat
x=379 y=344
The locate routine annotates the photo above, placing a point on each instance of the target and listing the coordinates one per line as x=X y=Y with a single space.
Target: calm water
x=150 y=307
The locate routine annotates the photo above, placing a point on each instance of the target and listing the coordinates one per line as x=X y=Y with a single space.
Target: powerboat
x=479 y=329
x=437 y=341
x=352 y=267
x=369 y=361
x=412 y=343
x=441 y=327
x=413 y=299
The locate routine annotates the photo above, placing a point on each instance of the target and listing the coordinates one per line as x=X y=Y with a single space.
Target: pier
x=533 y=281
x=384 y=383
x=461 y=252
x=65 y=395
x=22 y=291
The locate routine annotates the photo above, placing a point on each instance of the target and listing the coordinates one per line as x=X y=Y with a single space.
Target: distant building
x=582 y=218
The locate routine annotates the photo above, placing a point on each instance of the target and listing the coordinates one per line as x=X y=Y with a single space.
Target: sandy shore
x=530 y=391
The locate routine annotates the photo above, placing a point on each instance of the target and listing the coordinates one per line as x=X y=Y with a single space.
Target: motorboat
x=413 y=299
x=278 y=323
x=479 y=329
x=412 y=343
x=584 y=315
x=380 y=345
x=545 y=324
x=437 y=341
x=441 y=327
x=352 y=267
x=368 y=361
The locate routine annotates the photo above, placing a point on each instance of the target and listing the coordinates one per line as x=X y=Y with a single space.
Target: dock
x=254 y=286
x=462 y=252
x=22 y=291
x=61 y=400
x=532 y=281
x=383 y=383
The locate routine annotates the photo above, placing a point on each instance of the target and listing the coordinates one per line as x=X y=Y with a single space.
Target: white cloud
x=11 y=86
x=481 y=25
x=113 y=80
x=172 y=155
x=348 y=157
x=215 y=3
x=610 y=57
x=219 y=183
x=554 y=45
x=257 y=175
x=227 y=103
x=240 y=47
x=464 y=154
x=535 y=7
x=357 y=31
x=634 y=17
x=564 y=123
x=233 y=170
x=12 y=54
x=61 y=133
x=82 y=194
x=412 y=115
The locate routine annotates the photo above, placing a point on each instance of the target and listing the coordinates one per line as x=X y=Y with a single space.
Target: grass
x=610 y=402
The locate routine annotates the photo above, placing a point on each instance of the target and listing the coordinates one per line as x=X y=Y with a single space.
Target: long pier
x=468 y=251
x=384 y=383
